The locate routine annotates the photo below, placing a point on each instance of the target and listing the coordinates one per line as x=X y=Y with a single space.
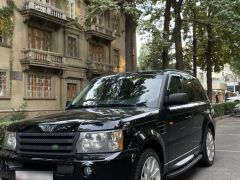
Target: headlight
x=100 y=142
x=10 y=141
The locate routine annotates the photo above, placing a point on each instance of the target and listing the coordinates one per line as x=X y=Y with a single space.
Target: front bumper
x=115 y=166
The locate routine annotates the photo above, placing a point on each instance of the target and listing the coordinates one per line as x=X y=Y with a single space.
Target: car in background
x=233 y=99
x=236 y=110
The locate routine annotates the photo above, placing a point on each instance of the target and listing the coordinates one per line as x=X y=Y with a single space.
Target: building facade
x=54 y=56
x=222 y=83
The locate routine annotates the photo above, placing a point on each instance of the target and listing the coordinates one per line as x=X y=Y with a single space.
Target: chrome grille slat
x=46 y=144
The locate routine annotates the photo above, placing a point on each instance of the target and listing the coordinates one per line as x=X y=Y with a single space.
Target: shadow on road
x=190 y=174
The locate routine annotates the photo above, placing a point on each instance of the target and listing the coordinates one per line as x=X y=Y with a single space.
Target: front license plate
x=33 y=175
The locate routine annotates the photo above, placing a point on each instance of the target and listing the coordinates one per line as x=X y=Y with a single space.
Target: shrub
x=223 y=108
x=17 y=114
x=3 y=126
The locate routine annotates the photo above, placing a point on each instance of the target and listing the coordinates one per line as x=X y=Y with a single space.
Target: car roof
x=167 y=71
x=151 y=72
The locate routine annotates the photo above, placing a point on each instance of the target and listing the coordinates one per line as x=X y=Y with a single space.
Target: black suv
x=136 y=126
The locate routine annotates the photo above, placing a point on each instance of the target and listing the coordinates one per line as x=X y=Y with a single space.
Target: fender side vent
x=162 y=127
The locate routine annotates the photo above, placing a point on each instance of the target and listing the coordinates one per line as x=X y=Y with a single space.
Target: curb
x=222 y=117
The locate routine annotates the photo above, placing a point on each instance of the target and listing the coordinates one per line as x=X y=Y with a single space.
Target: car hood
x=81 y=120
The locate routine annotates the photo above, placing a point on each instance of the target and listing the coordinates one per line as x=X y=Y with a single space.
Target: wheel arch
x=157 y=145
x=212 y=127
x=149 y=138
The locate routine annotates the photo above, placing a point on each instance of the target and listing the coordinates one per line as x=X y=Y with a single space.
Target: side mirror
x=177 y=99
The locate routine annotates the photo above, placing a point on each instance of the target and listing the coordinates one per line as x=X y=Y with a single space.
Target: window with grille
x=39 y=39
x=116 y=57
x=39 y=86
x=72 y=90
x=3 y=83
x=72 y=47
x=71 y=9
x=96 y=52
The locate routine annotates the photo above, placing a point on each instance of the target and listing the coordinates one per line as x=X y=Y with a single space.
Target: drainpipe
x=234 y=86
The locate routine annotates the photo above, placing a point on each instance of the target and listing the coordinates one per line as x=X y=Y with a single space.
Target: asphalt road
x=227 y=161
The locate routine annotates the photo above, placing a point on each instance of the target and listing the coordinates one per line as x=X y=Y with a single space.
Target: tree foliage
x=6 y=18
x=210 y=30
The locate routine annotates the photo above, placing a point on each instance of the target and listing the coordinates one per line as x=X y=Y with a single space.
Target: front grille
x=46 y=144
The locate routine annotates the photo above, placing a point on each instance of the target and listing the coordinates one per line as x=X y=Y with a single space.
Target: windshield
x=120 y=90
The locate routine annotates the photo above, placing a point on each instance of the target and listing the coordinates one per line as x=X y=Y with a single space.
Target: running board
x=185 y=168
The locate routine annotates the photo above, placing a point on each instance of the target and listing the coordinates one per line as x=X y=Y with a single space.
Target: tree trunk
x=209 y=61
x=194 y=43
x=178 y=34
x=130 y=33
x=167 y=19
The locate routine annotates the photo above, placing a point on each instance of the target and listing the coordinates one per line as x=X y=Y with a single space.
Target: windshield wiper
x=121 y=105
x=108 y=105
x=115 y=105
x=82 y=106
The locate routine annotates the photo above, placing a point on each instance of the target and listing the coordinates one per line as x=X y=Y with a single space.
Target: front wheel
x=208 y=149
x=147 y=166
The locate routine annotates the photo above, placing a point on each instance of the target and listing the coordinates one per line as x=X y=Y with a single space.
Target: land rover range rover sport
x=136 y=126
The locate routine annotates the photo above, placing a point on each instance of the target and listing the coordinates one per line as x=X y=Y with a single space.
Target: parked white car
x=233 y=99
x=236 y=110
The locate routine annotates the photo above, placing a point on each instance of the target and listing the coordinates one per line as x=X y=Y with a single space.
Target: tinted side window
x=200 y=94
x=175 y=85
x=188 y=88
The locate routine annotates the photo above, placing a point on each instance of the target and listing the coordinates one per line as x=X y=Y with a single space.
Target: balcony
x=101 y=32
x=99 y=68
x=39 y=58
x=39 y=11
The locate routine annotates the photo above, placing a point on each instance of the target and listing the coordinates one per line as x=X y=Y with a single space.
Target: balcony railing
x=39 y=57
x=101 y=29
x=101 y=67
x=44 y=8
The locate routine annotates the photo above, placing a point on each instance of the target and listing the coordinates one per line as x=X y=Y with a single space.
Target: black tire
x=206 y=160
x=140 y=161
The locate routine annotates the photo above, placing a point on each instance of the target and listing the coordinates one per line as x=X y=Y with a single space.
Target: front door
x=179 y=124
x=71 y=91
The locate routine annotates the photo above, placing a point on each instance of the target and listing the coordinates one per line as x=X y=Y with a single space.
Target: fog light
x=87 y=171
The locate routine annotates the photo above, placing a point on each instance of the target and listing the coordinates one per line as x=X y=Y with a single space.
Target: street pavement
x=227 y=161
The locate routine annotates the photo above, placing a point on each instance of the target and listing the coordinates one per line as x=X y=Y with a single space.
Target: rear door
x=201 y=111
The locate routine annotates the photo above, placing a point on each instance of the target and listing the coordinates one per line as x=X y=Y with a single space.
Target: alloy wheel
x=151 y=169
x=210 y=146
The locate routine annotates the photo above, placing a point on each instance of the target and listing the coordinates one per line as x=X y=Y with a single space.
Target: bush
x=17 y=114
x=224 y=108
x=3 y=126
